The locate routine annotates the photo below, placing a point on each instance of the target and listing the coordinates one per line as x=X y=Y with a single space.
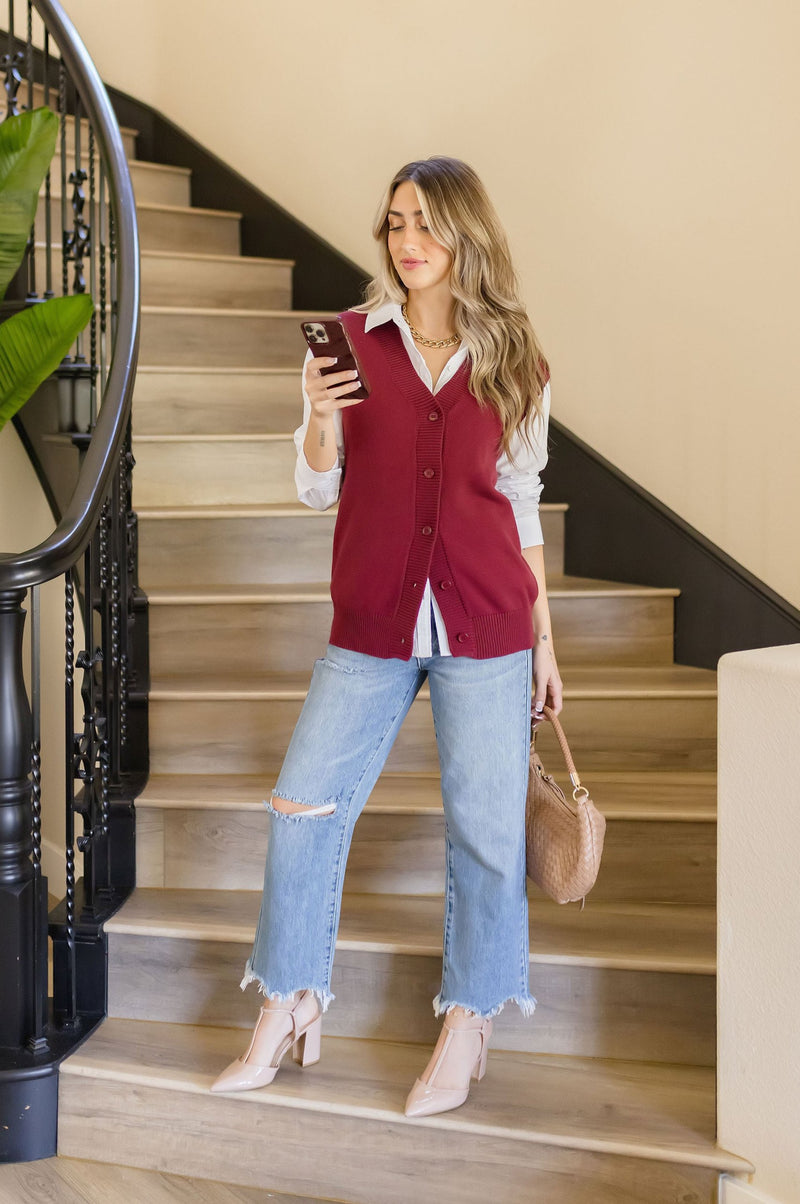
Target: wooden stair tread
x=656 y=796
x=644 y=1110
x=582 y=682
x=146 y=164
x=264 y=509
x=234 y=510
x=228 y=312
x=173 y=168
x=671 y=938
x=319 y=591
x=233 y=437
x=192 y=210
x=206 y=257
x=211 y=370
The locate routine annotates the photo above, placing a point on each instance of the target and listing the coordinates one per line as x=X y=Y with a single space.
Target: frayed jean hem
x=526 y=1004
x=324 y=997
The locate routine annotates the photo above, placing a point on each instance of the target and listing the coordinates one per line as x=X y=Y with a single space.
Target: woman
x=437 y=574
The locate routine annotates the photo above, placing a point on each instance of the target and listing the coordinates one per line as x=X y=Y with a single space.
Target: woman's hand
x=548 y=689
x=329 y=393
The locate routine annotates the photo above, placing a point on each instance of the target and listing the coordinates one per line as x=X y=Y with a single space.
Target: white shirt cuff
x=320 y=490
x=529 y=527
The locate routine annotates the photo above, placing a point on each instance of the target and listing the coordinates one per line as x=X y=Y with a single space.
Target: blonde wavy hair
x=509 y=370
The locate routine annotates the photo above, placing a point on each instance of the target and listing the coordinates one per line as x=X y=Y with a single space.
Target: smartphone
x=328 y=337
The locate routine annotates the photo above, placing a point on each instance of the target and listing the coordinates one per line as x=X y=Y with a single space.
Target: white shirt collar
x=389 y=311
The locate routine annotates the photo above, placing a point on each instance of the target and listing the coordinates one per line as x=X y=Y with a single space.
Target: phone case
x=326 y=337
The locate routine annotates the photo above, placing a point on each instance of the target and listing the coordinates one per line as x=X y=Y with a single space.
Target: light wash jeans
x=352 y=713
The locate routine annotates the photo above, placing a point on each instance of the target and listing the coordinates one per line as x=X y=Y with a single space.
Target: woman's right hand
x=329 y=392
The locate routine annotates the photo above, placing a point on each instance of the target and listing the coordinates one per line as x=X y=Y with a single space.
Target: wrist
x=317 y=419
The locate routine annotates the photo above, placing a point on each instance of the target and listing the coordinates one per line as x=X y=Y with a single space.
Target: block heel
x=479 y=1070
x=306 y=1049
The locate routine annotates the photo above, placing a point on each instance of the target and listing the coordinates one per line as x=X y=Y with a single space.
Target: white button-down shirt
x=520 y=483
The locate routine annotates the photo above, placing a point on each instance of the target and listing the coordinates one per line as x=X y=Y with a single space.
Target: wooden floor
x=77 y=1181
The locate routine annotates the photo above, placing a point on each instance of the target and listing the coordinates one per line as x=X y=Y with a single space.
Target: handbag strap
x=562 y=740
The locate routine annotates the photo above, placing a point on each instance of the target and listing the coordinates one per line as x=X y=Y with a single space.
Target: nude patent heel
x=304 y=1037
x=306 y=1049
x=425 y=1098
x=479 y=1070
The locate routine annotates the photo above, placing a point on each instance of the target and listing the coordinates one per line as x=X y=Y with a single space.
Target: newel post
x=17 y=903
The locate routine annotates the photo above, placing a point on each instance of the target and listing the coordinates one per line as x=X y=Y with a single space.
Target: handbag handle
x=562 y=740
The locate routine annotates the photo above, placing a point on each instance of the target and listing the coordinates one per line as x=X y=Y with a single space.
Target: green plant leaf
x=27 y=144
x=33 y=343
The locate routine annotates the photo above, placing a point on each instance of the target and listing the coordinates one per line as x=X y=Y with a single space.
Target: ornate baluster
x=93 y=284
x=48 y=217
x=10 y=64
x=112 y=272
x=76 y=240
x=62 y=109
x=37 y=1041
x=85 y=758
x=66 y=1001
x=107 y=681
x=115 y=615
x=101 y=255
x=30 y=250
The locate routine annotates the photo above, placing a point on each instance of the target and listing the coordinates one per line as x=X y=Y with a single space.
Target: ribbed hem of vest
x=484 y=635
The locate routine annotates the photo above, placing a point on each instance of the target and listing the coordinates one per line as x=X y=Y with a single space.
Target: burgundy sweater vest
x=418 y=500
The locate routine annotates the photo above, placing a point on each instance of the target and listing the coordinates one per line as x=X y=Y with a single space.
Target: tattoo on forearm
x=322 y=438
x=542 y=637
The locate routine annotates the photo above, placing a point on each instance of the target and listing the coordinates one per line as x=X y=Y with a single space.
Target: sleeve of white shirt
x=521 y=482
x=317 y=489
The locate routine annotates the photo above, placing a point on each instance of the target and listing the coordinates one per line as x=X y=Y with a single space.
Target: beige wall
x=758 y=908
x=642 y=157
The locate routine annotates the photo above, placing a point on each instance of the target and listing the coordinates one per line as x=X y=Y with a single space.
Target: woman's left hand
x=548 y=690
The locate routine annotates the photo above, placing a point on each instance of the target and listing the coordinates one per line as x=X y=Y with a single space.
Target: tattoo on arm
x=322 y=438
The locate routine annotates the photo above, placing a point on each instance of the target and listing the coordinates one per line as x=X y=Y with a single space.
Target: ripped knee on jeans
x=291 y=807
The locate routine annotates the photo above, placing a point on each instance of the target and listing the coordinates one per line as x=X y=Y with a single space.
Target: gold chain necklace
x=420 y=338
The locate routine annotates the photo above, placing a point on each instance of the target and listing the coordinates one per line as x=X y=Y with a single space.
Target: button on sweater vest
x=418 y=501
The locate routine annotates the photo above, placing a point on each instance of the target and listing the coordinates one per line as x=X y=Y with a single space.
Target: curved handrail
x=56 y=554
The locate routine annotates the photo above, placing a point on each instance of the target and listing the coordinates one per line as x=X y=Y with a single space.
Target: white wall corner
x=733 y=1190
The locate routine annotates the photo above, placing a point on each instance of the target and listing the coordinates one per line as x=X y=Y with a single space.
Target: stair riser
x=220 y=340
x=241 y=284
x=205 y=403
x=588 y=1011
x=172 y=280
x=200 y=473
x=163 y=230
x=349 y=1158
x=162 y=185
x=224 y=849
x=38 y=100
x=249 y=638
x=252 y=735
x=128 y=143
x=285 y=549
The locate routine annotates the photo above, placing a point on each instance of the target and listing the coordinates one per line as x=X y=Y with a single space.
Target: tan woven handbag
x=564 y=839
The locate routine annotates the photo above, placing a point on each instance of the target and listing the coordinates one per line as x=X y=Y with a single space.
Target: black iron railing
x=93 y=550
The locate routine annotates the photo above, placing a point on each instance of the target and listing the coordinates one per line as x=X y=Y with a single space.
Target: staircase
x=606 y=1094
